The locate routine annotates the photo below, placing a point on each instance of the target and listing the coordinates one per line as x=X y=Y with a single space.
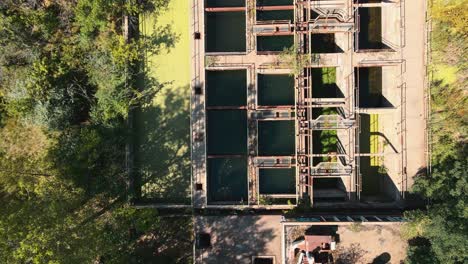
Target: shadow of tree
x=161 y=38
x=162 y=147
x=383 y=258
x=350 y=255
x=377 y=185
x=171 y=242
x=235 y=239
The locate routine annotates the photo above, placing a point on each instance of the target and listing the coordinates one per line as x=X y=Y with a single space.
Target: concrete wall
x=391 y=25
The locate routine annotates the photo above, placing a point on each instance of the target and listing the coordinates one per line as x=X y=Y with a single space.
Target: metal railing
x=273 y=161
x=330 y=169
x=324 y=122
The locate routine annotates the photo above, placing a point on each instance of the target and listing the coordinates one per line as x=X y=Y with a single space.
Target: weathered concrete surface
x=236 y=239
x=197 y=104
x=414 y=77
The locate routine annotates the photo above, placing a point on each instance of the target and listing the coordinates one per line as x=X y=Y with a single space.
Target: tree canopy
x=64 y=101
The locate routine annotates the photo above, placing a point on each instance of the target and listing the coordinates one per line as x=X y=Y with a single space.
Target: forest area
x=439 y=234
x=64 y=104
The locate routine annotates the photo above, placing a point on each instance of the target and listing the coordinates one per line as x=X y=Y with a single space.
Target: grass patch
x=374 y=140
x=324 y=83
x=316 y=112
x=446 y=73
x=324 y=142
x=328 y=140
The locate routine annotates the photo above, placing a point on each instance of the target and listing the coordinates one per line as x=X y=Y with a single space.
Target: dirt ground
x=359 y=244
x=371 y=244
x=236 y=239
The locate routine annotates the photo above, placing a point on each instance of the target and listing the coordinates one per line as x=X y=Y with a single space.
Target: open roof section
x=276 y=138
x=324 y=43
x=275 y=15
x=226 y=132
x=370 y=32
x=225 y=3
x=227 y=180
x=370 y=81
x=274 y=2
x=275 y=90
x=277 y=181
x=324 y=83
x=226 y=88
x=274 y=43
x=225 y=32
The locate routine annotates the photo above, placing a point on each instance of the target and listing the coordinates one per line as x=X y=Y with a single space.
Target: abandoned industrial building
x=302 y=101
x=316 y=104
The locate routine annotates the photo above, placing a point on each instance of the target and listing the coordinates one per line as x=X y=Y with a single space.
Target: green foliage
x=448 y=182
x=382 y=169
x=93 y=17
x=420 y=251
x=356 y=227
x=265 y=200
x=64 y=100
x=328 y=75
x=416 y=224
x=92 y=158
x=294 y=60
x=444 y=225
x=329 y=140
x=445 y=222
x=23 y=157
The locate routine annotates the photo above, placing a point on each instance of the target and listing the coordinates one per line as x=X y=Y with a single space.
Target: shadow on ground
x=162 y=148
x=235 y=239
x=171 y=242
x=350 y=255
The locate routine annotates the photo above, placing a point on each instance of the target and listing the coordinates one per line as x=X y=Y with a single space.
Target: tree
x=443 y=226
x=64 y=100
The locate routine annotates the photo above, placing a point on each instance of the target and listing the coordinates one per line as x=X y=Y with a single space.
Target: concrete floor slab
x=236 y=239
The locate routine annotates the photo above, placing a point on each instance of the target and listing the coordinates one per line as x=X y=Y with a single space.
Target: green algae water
x=227 y=180
x=277 y=181
x=275 y=89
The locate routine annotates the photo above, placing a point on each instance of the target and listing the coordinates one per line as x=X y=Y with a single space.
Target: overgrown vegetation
x=294 y=60
x=64 y=100
x=440 y=234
